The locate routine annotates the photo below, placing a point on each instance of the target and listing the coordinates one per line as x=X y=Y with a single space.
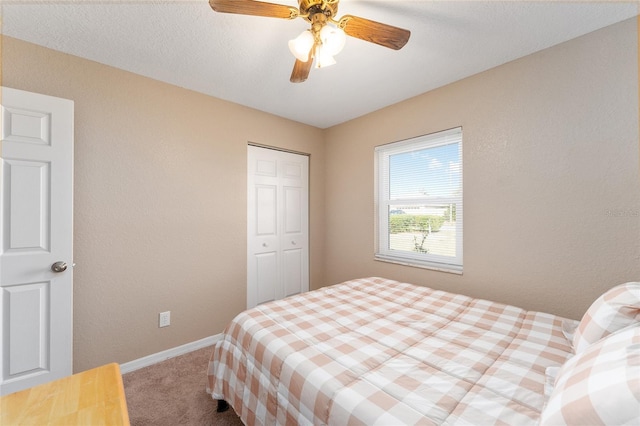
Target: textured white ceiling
x=245 y=59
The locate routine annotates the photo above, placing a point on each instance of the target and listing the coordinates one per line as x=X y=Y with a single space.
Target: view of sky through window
x=432 y=172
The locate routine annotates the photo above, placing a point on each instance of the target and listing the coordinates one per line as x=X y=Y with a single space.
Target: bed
x=374 y=351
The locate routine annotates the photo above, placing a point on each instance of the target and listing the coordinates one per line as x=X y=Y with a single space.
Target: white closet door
x=278 y=225
x=36 y=302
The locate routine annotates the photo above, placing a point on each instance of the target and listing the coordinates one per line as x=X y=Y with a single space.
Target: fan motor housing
x=311 y=7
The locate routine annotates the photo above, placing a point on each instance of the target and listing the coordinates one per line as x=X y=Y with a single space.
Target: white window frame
x=383 y=201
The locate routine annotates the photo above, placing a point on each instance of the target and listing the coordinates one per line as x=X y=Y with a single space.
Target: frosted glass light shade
x=301 y=46
x=333 y=39
x=323 y=57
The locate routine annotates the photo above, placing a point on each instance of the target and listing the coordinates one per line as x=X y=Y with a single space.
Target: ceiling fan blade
x=301 y=70
x=255 y=8
x=375 y=32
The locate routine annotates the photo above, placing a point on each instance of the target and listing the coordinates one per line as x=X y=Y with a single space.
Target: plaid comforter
x=378 y=352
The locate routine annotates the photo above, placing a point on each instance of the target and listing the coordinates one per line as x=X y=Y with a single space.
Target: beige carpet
x=172 y=392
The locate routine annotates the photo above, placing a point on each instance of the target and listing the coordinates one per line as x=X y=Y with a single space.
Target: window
x=419 y=201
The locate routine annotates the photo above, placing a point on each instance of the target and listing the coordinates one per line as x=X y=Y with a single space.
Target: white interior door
x=36 y=198
x=278 y=225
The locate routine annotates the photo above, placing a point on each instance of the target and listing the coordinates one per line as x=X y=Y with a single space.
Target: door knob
x=59 y=267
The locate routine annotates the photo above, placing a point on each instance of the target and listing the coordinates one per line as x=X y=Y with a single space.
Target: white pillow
x=617 y=308
x=601 y=385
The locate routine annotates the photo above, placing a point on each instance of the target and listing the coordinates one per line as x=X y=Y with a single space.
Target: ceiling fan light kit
x=322 y=42
x=301 y=46
x=327 y=35
x=333 y=39
x=323 y=57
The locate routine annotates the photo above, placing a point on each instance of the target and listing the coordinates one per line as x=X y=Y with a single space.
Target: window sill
x=450 y=269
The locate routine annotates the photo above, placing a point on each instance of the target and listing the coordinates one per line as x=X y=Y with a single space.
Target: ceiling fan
x=326 y=37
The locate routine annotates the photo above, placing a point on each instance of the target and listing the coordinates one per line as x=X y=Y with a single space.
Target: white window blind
x=419 y=201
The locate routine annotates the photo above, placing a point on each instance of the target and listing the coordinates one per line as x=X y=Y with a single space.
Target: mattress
x=375 y=351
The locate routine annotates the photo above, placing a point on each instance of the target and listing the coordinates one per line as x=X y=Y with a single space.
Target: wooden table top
x=94 y=397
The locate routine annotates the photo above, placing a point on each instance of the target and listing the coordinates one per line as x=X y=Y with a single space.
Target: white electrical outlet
x=164 y=319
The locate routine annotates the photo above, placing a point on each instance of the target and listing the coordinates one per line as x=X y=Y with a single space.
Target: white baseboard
x=148 y=360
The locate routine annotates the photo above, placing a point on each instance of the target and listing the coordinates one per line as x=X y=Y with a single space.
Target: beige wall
x=160 y=202
x=550 y=144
